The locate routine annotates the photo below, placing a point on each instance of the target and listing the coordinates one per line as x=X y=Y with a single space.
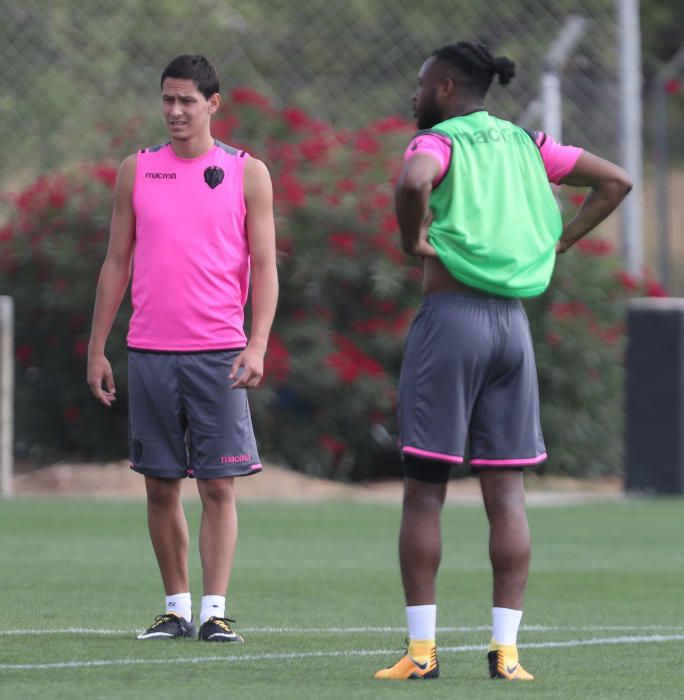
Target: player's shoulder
x=154 y=149
x=127 y=170
x=256 y=169
x=231 y=150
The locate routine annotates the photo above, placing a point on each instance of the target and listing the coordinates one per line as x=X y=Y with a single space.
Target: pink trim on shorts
x=432 y=455
x=255 y=467
x=509 y=462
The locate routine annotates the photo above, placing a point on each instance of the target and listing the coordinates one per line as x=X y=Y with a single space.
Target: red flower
x=344 y=243
x=297 y=119
x=655 y=289
x=613 y=333
x=569 y=309
x=346 y=185
x=332 y=445
x=386 y=306
x=247 y=96
x=106 y=174
x=388 y=223
x=381 y=200
x=553 y=339
x=402 y=322
x=390 y=124
x=366 y=143
x=314 y=149
x=57 y=195
x=24 y=354
x=350 y=362
x=627 y=281
x=290 y=190
x=594 y=246
x=672 y=87
x=224 y=127
x=577 y=199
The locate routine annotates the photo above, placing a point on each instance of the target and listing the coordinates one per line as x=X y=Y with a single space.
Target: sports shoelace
x=222 y=622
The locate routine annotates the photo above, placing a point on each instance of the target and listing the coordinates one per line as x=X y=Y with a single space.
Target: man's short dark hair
x=193 y=67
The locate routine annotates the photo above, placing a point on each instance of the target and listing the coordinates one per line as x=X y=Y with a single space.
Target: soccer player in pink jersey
x=192 y=223
x=474 y=201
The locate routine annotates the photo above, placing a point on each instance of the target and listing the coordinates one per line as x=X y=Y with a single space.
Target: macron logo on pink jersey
x=161 y=176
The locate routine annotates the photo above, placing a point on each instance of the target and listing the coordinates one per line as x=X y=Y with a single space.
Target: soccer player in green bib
x=474 y=201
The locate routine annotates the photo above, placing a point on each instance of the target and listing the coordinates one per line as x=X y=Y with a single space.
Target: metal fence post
x=556 y=56
x=631 y=142
x=6 y=395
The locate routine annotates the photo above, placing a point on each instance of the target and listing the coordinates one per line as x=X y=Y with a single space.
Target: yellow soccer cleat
x=420 y=662
x=503 y=663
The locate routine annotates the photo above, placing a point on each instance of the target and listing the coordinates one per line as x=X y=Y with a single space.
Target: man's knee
x=217 y=491
x=423 y=495
x=162 y=492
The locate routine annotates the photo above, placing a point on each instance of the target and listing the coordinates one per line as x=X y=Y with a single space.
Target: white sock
x=212 y=606
x=422 y=621
x=505 y=623
x=181 y=604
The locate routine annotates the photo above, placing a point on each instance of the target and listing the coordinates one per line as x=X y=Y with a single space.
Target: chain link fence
x=79 y=79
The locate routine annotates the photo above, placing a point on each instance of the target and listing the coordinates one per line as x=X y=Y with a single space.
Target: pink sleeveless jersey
x=191 y=258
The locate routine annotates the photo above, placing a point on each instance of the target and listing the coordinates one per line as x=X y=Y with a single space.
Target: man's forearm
x=598 y=205
x=111 y=287
x=264 y=303
x=411 y=204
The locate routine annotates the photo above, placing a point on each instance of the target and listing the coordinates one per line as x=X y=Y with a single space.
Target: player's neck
x=465 y=108
x=193 y=147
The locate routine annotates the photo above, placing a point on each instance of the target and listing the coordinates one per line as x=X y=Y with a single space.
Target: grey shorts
x=185 y=420
x=469 y=377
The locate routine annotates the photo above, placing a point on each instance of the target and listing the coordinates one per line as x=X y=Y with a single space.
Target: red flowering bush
x=578 y=327
x=50 y=253
x=348 y=295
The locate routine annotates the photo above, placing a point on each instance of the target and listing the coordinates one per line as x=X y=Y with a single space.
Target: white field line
x=331 y=654
x=92 y=631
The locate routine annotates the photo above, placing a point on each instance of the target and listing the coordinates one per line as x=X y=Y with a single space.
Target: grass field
x=316 y=593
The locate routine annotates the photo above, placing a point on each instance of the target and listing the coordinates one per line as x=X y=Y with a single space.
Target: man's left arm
x=411 y=202
x=261 y=237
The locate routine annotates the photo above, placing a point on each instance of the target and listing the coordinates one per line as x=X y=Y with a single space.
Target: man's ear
x=447 y=87
x=214 y=102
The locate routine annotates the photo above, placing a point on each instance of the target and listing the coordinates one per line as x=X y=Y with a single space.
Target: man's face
x=426 y=107
x=186 y=111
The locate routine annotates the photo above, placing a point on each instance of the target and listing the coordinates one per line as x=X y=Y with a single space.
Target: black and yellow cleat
x=503 y=663
x=420 y=662
x=169 y=626
x=218 y=629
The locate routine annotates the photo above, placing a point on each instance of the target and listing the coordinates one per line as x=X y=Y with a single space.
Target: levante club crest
x=213 y=176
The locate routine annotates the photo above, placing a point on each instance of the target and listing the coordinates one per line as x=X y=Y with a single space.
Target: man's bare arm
x=112 y=283
x=411 y=199
x=609 y=184
x=261 y=236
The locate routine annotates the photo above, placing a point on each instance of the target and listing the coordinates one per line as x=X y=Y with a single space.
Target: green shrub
x=348 y=295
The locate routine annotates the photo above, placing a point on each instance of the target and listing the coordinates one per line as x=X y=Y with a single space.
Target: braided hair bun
x=504 y=68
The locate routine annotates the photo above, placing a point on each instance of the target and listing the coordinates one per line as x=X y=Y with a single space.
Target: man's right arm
x=112 y=283
x=609 y=184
